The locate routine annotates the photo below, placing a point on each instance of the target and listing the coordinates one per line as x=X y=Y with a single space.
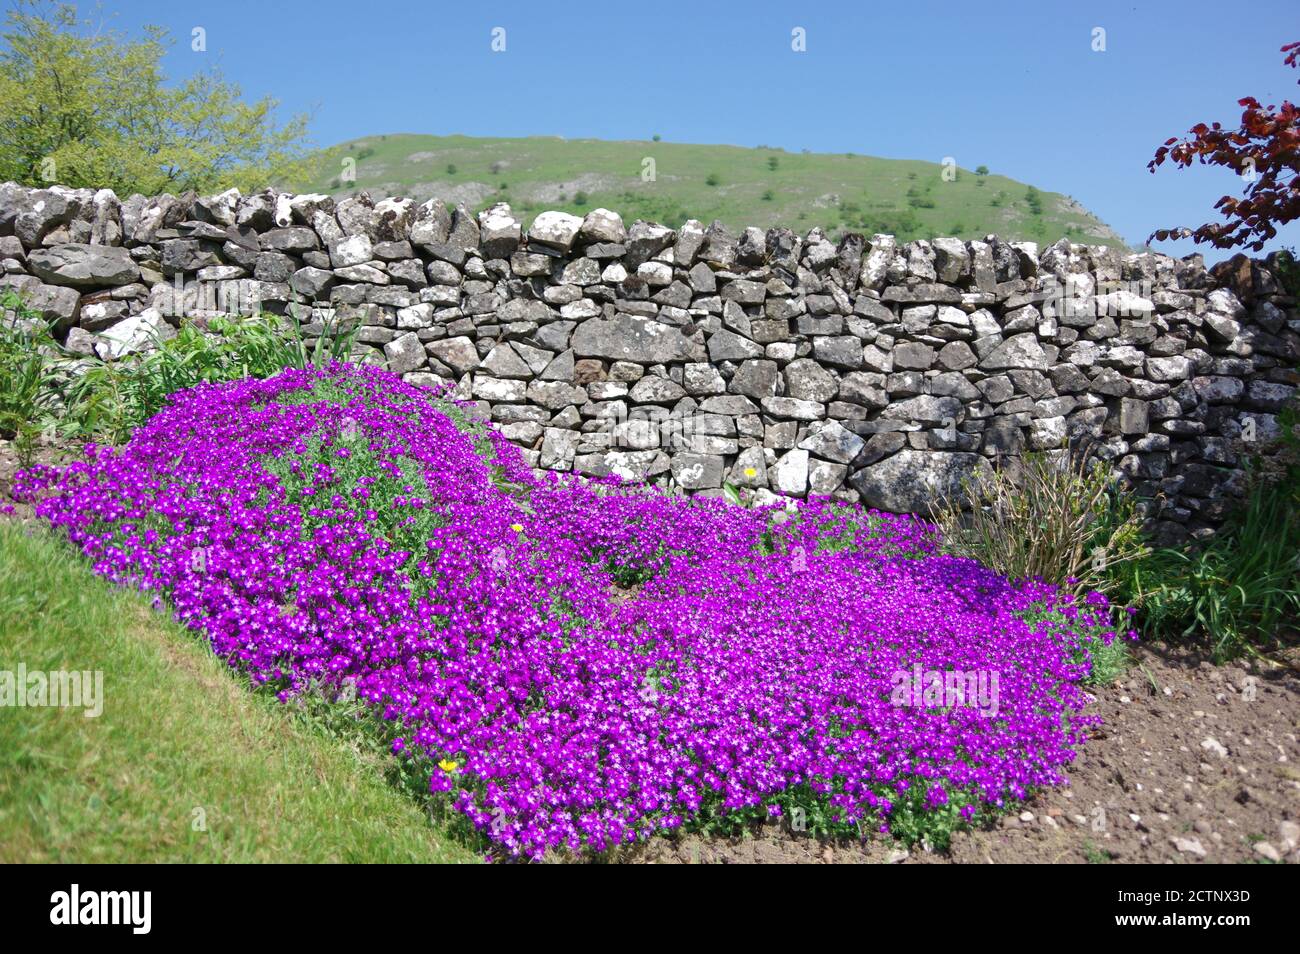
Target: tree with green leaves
x=85 y=106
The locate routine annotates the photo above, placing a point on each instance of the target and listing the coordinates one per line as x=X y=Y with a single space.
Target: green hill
x=741 y=186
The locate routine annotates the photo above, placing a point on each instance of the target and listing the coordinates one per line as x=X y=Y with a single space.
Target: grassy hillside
x=178 y=733
x=740 y=186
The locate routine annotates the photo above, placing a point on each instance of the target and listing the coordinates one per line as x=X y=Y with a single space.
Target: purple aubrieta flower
x=598 y=661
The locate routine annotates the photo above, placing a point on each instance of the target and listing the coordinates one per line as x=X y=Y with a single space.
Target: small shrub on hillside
x=1034 y=199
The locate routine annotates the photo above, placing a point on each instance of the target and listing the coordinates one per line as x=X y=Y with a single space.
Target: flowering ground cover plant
x=576 y=665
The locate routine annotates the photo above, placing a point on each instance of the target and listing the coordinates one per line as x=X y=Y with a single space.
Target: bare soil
x=1195 y=763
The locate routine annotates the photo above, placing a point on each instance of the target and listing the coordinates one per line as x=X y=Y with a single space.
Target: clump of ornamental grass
x=1056 y=516
x=339 y=528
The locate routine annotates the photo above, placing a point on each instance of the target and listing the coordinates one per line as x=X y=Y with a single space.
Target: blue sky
x=1015 y=86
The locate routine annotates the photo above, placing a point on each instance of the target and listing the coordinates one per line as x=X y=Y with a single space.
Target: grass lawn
x=180 y=740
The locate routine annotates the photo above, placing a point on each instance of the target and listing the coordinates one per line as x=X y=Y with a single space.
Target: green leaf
x=732 y=494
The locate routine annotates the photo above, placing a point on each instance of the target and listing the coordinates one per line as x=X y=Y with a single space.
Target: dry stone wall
x=790 y=364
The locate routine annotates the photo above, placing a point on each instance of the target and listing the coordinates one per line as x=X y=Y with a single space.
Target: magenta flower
x=474 y=607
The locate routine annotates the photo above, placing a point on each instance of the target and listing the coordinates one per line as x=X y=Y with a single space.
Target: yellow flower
x=447 y=765
x=750 y=472
x=517 y=527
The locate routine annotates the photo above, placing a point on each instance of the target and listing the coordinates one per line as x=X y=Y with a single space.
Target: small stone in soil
x=1290 y=835
x=1265 y=850
x=1189 y=846
x=1211 y=744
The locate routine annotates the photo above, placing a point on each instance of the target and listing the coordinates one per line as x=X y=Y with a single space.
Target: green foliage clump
x=1284 y=265
x=27 y=351
x=1240 y=591
x=111 y=397
x=42 y=386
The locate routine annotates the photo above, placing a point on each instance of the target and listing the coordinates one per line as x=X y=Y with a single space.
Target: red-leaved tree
x=1265 y=152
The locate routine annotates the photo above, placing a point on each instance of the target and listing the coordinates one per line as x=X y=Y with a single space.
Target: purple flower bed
x=580 y=664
